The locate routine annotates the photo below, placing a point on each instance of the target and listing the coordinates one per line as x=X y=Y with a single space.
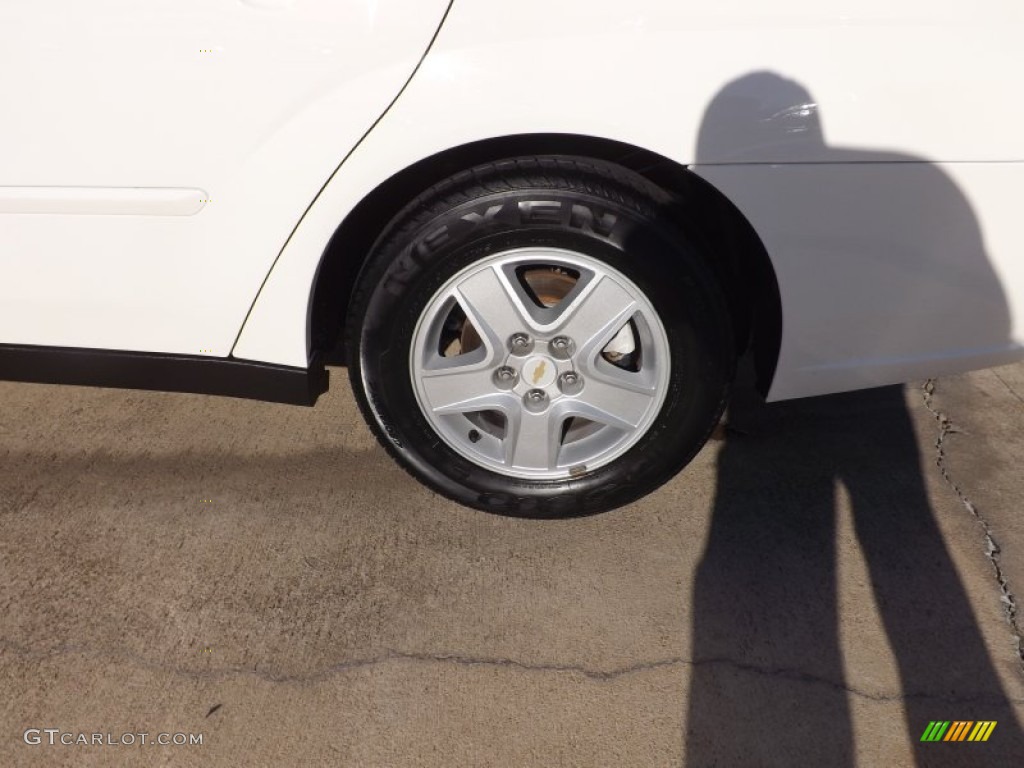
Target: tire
x=544 y=246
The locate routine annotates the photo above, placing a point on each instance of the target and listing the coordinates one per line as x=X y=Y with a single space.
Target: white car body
x=172 y=172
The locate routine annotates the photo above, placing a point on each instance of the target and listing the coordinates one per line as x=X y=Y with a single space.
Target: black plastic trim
x=227 y=377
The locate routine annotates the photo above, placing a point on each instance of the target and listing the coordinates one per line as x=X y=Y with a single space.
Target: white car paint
x=888 y=272
x=861 y=305
x=115 y=106
x=876 y=147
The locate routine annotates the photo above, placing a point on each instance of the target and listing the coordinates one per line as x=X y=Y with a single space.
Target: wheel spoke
x=598 y=314
x=533 y=337
x=461 y=390
x=492 y=305
x=622 y=404
x=533 y=441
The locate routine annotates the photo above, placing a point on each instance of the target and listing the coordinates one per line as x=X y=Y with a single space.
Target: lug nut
x=520 y=343
x=562 y=347
x=570 y=382
x=505 y=377
x=535 y=400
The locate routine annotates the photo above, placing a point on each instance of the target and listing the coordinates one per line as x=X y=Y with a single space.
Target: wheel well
x=740 y=261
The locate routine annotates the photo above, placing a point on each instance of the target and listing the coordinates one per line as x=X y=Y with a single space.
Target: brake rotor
x=549 y=285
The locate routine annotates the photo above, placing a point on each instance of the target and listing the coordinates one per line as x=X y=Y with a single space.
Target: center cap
x=539 y=371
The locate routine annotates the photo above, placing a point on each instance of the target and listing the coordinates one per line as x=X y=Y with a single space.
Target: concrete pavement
x=811 y=591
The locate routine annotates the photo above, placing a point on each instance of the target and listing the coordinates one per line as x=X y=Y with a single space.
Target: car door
x=155 y=157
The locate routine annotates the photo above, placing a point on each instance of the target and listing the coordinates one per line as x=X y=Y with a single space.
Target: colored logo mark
x=958 y=730
x=538 y=372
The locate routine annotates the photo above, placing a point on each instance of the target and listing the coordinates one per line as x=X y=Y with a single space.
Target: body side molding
x=151 y=201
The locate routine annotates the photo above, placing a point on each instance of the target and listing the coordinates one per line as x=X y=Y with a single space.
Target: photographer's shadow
x=769 y=685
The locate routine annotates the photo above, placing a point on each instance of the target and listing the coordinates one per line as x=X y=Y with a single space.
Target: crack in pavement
x=1006 y=384
x=390 y=655
x=992 y=549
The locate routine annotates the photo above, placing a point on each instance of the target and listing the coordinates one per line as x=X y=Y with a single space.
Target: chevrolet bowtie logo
x=538 y=372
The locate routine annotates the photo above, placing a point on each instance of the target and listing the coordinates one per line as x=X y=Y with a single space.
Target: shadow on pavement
x=768 y=686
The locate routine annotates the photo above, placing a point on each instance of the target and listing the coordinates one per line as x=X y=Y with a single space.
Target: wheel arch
x=741 y=262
